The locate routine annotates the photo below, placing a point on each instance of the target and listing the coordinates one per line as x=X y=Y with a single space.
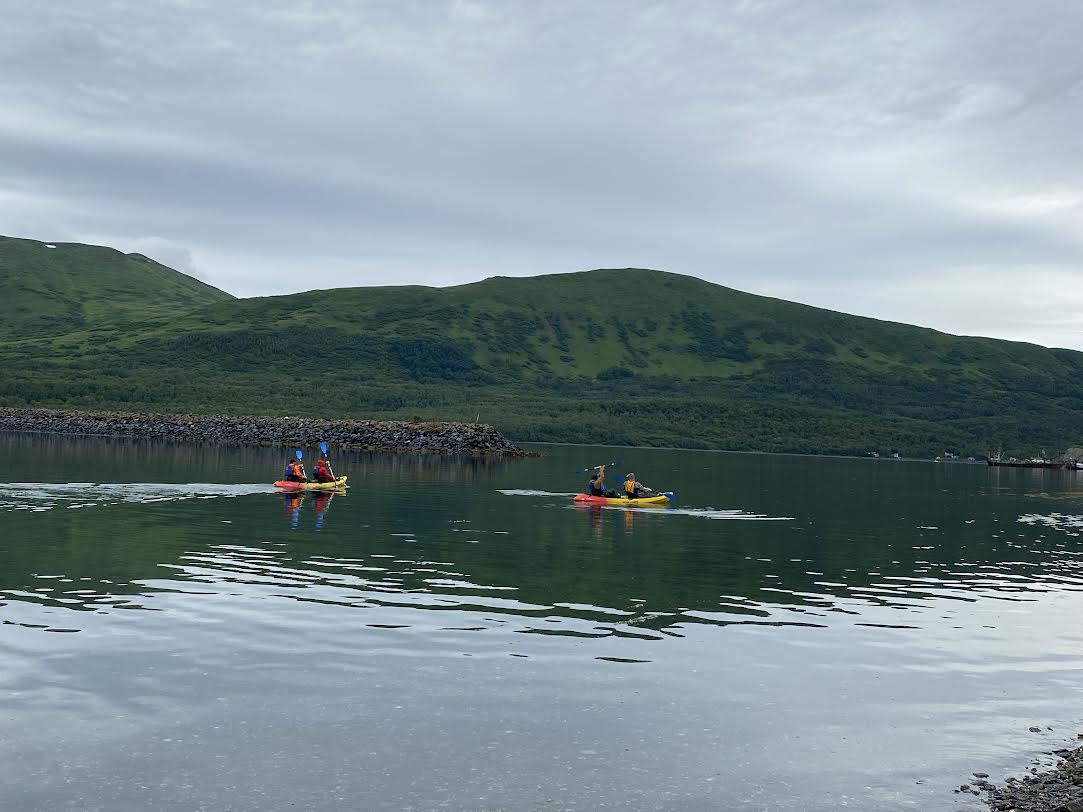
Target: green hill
x=56 y=288
x=621 y=356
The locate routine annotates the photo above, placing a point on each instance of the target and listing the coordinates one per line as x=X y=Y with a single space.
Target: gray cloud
x=882 y=158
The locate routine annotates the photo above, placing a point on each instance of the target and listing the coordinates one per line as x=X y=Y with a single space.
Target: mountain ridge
x=611 y=355
x=57 y=288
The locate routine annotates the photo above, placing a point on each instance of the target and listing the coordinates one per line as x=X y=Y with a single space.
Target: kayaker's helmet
x=630 y=475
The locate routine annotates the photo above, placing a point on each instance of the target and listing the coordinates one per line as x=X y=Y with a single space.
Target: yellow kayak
x=657 y=499
x=286 y=485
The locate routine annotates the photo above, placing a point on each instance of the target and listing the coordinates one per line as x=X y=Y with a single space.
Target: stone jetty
x=371 y=435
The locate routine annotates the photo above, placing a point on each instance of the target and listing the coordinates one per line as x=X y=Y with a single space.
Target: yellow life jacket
x=630 y=486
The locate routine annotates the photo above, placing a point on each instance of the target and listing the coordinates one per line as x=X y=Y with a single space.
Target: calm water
x=799 y=634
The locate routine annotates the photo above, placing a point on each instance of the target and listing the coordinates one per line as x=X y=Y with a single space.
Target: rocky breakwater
x=448 y=438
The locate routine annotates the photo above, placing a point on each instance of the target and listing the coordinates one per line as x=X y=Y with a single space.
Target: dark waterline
x=798 y=633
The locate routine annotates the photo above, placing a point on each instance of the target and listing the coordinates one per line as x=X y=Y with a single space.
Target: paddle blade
x=608 y=465
x=298 y=453
x=323 y=448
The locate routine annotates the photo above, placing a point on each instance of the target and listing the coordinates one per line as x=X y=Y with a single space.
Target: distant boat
x=998 y=461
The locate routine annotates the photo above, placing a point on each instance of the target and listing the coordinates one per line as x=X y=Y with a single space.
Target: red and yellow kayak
x=286 y=485
x=657 y=499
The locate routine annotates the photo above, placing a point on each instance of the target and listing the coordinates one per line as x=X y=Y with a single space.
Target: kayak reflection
x=597 y=513
x=321 y=501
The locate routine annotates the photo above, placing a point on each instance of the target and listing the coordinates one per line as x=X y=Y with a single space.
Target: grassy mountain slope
x=626 y=356
x=59 y=289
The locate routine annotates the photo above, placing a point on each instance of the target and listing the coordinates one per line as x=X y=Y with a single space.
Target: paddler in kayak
x=323 y=471
x=596 y=486
x=635 y=490
x=295 y=472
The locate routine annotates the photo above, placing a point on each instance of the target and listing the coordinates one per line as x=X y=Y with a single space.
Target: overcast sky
x=914 y=161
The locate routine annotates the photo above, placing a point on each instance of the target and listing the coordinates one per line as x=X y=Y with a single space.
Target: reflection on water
x=822 y=600
x=670 y=578
x=1069 y=525
x=321 y=501
x=117 y=458
x=669 y=509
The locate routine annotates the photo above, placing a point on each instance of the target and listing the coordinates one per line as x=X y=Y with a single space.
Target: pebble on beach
x=1059 y=789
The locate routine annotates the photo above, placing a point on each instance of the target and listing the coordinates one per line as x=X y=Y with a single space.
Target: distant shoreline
x=755 y=453
x=360 y=435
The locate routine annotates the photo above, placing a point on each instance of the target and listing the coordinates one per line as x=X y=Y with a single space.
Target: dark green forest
x=624 y=356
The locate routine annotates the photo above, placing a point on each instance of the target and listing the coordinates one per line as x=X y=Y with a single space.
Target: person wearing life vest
x=323 y=471
x=295 y=472
x=635 y=490
x=596 y=486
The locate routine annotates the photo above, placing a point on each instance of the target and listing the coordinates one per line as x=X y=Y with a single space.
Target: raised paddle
x=299 y=455
x=608 y=465
x=323 y=448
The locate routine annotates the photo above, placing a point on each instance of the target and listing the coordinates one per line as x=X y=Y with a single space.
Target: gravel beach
x=1059 y=789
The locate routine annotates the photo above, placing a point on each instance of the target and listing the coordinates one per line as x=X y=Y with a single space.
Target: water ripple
x=42 y=496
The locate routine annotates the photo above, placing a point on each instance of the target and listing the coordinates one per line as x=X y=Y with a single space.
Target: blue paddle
x=298 y=453
x=323 y=448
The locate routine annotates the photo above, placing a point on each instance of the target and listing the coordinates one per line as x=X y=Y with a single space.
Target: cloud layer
x=893 y=159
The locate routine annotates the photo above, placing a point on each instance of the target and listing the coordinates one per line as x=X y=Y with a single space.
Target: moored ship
x=1000 y=461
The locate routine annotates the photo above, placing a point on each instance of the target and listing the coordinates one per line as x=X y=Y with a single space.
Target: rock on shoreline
x=1057 y=790
x=365 y=435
